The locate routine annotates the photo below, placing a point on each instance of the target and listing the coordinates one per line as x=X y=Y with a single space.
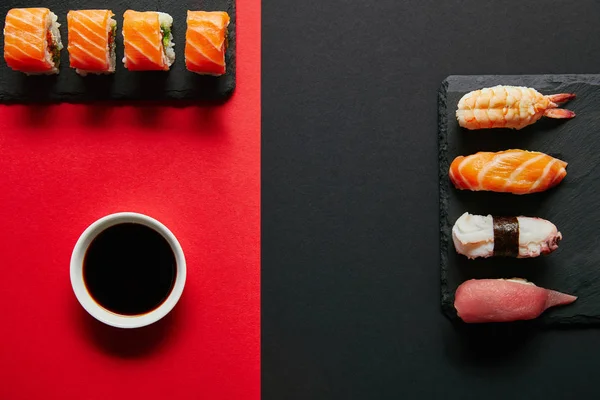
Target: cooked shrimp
x=509 y=107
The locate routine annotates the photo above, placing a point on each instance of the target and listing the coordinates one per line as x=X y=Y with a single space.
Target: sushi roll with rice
x=206 y=42
x=32 y=42
x=148 y=41
x=92 y=41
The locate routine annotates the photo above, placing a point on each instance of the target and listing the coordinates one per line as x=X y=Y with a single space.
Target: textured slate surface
x=177 y=84
x=573 y=205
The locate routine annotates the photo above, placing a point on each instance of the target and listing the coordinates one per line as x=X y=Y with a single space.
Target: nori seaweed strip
x=506 y=236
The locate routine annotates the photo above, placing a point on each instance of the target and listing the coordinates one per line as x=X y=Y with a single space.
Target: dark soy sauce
x=129 y=269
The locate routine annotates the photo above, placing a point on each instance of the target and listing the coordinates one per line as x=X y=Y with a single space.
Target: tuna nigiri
x=505 y=300
x=509 y=107
x=510 y=171
x=477 y=236
x=206 y=42
x=32 y=42
x=92 y=41
x=148 y=41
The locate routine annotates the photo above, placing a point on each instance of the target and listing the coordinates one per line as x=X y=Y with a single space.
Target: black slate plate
x=177 y=84
x=573 y=205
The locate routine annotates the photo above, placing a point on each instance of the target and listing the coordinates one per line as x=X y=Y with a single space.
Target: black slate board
x=573 y=205
x=176 y=84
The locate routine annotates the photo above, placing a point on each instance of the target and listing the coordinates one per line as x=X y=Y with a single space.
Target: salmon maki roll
x=510 y=171
x=148 y=41
x=92 y=41
x=206 y=42
x=32 y=42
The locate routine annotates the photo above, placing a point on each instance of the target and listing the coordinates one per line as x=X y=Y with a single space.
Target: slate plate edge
x=443 y=193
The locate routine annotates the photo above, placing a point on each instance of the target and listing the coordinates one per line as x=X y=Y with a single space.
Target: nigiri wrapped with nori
x=479 y=236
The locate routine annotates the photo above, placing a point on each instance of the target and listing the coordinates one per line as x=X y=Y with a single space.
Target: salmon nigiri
x=92 y=41
x=509 y=171
x=509 y=107
x=206 y=42
x=32 y=42
x=505 y=300
x=148 y=41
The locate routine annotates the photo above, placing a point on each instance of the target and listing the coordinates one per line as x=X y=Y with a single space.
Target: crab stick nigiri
x=148 y=41
x=206 y=42
x=510 y=171
x=32 y=42
x=482 y=236
x=92 y=41
x=509 y=107
x=505 y=300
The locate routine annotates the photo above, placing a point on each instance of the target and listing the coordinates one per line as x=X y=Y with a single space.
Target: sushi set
x=129 y=51
x=518 y=198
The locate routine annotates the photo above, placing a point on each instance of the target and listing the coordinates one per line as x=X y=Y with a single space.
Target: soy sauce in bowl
x=129 y=269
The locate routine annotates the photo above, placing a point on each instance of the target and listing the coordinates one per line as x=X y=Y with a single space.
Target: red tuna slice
x=505 y=300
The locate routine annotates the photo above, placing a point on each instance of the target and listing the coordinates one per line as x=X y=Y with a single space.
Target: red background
x=196 y=169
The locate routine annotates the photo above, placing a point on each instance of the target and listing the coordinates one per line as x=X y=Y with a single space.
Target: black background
x=350 y=242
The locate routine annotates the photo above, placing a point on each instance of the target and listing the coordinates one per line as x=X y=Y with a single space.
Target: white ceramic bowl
x=99 y=312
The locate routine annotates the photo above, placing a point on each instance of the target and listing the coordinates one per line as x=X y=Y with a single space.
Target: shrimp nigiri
x=505 y=300
x=509 y=171
x=509 y=107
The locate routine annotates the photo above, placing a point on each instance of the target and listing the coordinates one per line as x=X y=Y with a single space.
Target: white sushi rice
x=52 y=26
x=166 y=24
x=520 y=280
x=112 y=61
x=111 y=54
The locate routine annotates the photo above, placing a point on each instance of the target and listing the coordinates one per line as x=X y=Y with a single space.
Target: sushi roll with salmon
x=32 y=42
x=206 y=42
x=92 y=41
x=148 y=41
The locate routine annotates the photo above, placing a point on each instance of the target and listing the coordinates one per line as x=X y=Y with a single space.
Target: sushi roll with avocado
x=148 y=41
x=32 y=41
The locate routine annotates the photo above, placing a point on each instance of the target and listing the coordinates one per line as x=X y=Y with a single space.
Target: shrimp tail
x=561 y=97
x=559 y=113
